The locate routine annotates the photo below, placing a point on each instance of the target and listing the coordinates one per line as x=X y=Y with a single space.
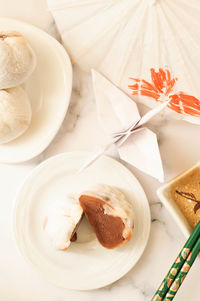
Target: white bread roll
x=17 y=59
x=15 y=113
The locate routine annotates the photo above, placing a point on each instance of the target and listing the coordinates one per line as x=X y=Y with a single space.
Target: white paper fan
x=126 y=38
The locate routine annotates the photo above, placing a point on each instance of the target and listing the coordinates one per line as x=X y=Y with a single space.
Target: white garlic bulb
x=15 y=113
x=17 y=59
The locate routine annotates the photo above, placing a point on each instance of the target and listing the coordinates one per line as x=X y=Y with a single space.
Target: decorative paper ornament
x=119 y=117
x=162 y=88
x=127 y=38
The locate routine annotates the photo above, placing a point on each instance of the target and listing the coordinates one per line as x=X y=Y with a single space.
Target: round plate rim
x=68 y=69
x=14 y=219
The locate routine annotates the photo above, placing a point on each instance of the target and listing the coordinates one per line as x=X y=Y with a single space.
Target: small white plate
x=86 y=264
x=49 y=89
x=165 y=196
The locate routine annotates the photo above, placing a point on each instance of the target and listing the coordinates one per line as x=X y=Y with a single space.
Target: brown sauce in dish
x=108 y=228
x=185 y=191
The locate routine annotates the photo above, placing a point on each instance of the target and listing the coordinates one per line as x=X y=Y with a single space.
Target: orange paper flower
x=161 y=89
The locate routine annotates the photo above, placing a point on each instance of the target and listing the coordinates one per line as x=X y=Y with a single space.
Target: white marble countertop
x=179 y=148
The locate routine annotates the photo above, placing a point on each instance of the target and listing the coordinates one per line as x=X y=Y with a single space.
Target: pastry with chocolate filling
x=109 y=213
x=62 y=221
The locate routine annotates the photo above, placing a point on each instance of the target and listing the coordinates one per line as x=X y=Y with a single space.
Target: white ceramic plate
x=86 y=264
x=49 y=89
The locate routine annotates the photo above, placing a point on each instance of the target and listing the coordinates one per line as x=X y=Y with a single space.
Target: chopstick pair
x=180 y=268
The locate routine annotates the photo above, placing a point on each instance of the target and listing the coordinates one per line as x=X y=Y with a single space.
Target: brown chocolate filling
x=108 y=228
x=74 y=235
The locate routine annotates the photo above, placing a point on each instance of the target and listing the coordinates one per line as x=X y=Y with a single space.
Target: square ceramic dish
x=164 y=195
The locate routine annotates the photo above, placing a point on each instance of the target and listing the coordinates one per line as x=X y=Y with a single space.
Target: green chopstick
x=178 y=264
x=183 y=272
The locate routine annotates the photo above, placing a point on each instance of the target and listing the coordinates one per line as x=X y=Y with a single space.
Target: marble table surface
x=179 y=148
